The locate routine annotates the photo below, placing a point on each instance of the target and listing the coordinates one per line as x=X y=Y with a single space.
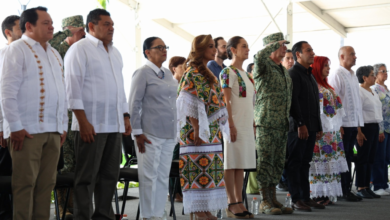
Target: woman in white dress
x=239 y=154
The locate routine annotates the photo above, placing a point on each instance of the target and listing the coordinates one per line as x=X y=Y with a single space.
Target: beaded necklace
x=41 y=80
x=163 y=75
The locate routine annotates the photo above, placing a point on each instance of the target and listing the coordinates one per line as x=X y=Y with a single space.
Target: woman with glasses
x=367 y=138
x=202 y=117
x=152 y=104
x=379 y=176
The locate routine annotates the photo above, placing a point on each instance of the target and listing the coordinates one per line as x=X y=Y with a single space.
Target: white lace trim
x=332 y=124
x=326 y=189
x=331 y=167
x=204 y=201
x=191 y=106
x=201 y=149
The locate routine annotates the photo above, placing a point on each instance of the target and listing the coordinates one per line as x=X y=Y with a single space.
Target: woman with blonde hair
x=202 y=118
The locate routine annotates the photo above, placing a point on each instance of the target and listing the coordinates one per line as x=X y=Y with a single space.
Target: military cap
x=272 y=38
x=74 y=21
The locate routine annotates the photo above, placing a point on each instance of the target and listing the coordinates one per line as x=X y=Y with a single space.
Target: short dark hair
x=216 y=41
x=94 y=16
x=31 y=16
x=233 y=42
x=363 y=71
x=249 y=67
x=148 y=44
x=8 y=23
x=297 y=48
x=288 y=51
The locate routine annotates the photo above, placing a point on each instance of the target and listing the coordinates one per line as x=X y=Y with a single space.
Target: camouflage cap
x=272 y=38
x=74 y=21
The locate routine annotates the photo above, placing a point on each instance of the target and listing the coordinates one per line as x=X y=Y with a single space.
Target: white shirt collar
x=154 y=67
x=32 y=42
x=96 y=42
x=345 y=70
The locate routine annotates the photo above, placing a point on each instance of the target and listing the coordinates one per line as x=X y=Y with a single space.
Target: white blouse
x=372 y=106
x=32 y=89
x=94 y=83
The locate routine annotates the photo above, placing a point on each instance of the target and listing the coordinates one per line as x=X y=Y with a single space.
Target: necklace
x=41 y=80
x=163 y=75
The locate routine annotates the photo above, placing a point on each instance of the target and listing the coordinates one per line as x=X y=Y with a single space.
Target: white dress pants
x=153 y=173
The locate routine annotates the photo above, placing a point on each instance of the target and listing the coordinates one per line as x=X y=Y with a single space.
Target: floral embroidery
x=330 y=102
x=225 y=80
x=384 y=96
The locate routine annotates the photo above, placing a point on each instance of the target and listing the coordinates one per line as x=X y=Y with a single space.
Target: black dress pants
x=366 y=154
x=349 y=139
x=300 y=155
x=5 y=170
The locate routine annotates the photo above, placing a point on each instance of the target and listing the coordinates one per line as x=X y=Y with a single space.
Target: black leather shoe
x=311 y=203
x=372 y=193
x=364 y=194
x=301 y=206
x=350 y=197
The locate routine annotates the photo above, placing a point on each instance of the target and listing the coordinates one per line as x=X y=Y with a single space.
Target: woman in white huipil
x=239 y=153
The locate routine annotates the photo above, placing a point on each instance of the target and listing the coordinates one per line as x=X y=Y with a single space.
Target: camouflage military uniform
x=59 y=43
x=273 y=99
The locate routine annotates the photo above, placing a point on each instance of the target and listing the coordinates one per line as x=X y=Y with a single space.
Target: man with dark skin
x=101 y=116
x=305 y=127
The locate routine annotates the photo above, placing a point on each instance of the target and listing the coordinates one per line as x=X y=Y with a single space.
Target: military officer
x=73 y=31
x=273 y=99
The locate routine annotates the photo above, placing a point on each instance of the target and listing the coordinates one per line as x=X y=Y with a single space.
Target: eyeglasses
x=160 y=47
x=383 y=71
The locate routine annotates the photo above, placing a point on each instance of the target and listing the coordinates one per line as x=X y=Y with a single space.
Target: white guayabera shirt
x=32 y=89
x=94 y=83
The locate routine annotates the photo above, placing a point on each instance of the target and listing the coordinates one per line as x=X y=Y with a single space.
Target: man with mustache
x=345 y=83
x=216 y=65
x=62 y=40
x=35 y=111
x=96 y=94
x=305 y=127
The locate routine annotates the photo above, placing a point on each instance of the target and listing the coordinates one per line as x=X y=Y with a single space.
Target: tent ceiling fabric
x=248 y=18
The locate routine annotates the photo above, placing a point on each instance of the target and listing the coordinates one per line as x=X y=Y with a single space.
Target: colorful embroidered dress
x=328 y=156
x=201 y=167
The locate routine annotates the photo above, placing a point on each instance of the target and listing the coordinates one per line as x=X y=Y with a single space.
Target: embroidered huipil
x=201 y=167
x=94 y=83
x=384 y=96
x=328 y=155
x=32 y=89
x=346 y=85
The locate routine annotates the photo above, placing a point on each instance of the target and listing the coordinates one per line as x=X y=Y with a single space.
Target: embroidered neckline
x=241 y=82
x=42 y=79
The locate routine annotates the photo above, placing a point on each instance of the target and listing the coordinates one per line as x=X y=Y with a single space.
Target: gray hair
x=377 y=66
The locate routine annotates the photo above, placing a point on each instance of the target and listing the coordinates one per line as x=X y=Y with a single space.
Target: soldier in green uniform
x=73 y=31
x=272 y=108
